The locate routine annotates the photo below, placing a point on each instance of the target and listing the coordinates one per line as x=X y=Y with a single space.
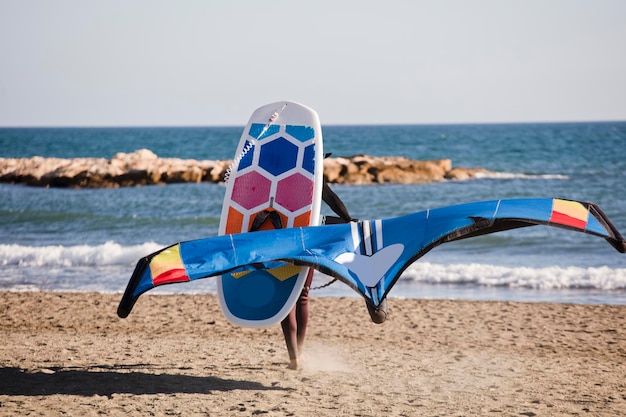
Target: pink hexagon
x=294 y=192
x=251 y=189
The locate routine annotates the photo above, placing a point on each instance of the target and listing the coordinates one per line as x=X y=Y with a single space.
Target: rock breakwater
x=143 y=167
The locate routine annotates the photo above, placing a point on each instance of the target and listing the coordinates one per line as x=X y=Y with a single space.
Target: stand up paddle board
x=275 y=181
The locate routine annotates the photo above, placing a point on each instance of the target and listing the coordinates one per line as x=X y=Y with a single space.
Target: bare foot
x=293 y=365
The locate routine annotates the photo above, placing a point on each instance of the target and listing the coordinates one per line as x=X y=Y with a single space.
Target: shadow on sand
x=107 y=380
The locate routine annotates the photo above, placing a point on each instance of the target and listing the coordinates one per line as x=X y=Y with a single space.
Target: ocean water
x=90 y=240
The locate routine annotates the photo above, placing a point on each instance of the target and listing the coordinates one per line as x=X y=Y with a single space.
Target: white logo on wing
x=370 y=269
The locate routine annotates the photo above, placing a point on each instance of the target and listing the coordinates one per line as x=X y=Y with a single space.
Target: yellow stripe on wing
x=281 y=273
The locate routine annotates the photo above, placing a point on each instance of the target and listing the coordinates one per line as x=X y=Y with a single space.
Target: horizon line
x=174 y=126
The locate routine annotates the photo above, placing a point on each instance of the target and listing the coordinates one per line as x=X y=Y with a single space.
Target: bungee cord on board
x=252 y=142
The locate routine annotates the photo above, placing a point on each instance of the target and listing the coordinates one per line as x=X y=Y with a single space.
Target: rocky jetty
x=143 y=167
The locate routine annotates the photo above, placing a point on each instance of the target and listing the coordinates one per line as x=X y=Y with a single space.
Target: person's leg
x=302 y=311
x=290 y=328
x=295 y=324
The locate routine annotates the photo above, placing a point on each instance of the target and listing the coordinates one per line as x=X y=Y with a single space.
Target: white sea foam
x=517 y=175
x=109 y=265
x=553 y=277
x=106 y=254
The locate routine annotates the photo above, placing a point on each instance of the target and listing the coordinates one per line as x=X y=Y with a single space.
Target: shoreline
x=449 y=292
x=177 y=354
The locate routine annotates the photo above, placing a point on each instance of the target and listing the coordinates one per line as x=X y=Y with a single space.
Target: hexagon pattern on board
x=294 y=192
x=251 y=189
x=280 y=168
x=278 y=156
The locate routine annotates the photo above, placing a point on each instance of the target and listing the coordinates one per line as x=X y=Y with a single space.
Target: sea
x=89 y=240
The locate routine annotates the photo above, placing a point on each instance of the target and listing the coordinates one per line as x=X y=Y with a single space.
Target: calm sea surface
x=90 y=240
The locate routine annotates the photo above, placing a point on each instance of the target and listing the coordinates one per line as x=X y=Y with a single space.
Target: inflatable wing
x=369 y=256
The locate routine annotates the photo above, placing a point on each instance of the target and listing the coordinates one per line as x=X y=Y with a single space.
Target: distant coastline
x=144 y=167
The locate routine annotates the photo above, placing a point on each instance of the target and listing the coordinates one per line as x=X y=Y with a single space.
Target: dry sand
x=69 y=354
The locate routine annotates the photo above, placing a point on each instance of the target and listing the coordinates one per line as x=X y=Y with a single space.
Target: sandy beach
x=69 y=354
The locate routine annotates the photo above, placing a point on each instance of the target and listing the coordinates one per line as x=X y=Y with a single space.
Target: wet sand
x=69 y=354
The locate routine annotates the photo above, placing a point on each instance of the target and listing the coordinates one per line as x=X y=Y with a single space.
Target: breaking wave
x=58 y=256
x=107 y=268
x=539 y=278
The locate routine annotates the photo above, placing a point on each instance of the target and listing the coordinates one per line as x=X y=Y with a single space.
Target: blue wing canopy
x=369 y=256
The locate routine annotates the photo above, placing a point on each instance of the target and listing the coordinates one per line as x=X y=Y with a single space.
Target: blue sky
x=211 y=63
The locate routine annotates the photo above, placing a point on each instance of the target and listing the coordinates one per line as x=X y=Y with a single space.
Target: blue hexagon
x=301 y=133
x=246 y=160
x=278 y=156
x=309 y=159
x=260 y=131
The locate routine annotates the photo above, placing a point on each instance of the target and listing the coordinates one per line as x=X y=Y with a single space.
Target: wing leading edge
x=368 y=256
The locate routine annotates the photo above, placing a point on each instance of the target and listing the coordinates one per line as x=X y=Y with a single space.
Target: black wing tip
x=125 y=307
x=123 y=312
x=128 y=299
x=378 y=314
